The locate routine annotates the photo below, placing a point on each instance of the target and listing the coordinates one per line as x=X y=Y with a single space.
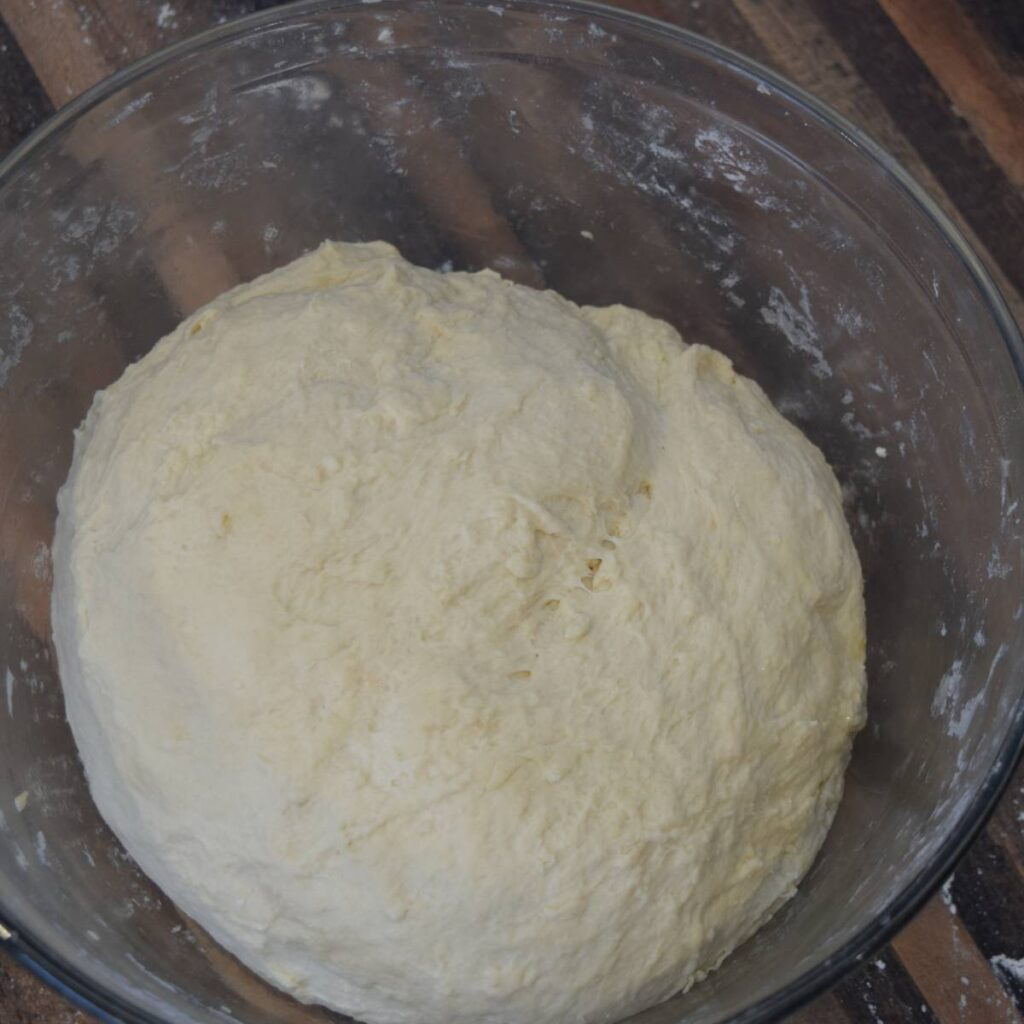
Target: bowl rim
x=111 y=1008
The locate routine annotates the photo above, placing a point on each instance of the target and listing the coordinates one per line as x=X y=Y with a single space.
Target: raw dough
x=452 y=653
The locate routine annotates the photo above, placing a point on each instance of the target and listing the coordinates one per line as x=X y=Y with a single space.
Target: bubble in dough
x=452 y=653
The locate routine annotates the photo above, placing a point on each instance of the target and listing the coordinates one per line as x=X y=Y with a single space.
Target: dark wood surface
x=940 y=83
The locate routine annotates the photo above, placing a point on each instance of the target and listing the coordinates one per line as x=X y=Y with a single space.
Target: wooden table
x=941 y=84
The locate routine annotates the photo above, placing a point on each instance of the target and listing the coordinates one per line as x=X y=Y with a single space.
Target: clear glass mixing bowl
x=613 y=159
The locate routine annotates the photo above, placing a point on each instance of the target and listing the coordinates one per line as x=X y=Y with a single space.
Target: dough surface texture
x=452 y=653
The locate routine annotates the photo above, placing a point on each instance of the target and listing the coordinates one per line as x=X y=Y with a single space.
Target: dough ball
x=452 y=653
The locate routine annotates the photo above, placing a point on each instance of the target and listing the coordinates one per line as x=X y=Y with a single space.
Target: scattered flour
x=166 y=16
x=946 y=895
x=948 y=689
x=797 y=326
x=1009 y=968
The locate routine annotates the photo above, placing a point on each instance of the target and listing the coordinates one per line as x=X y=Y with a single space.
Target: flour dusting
x=1008 y=967
x=948 y=690
x=797 y=325
x=946 y=895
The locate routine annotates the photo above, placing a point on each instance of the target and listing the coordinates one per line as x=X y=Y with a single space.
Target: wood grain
x=26 y=1000
x=940 y=83
x=1002 y=24
x=953 y=976
x=886 y=991
x=17 y=79
x=951 y=46
x=804 y=47
x=990 y=903
x=957 y=158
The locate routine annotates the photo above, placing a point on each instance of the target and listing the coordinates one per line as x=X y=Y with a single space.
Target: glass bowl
x=614 y=159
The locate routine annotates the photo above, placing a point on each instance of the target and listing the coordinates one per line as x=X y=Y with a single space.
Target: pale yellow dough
x=452 y=653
